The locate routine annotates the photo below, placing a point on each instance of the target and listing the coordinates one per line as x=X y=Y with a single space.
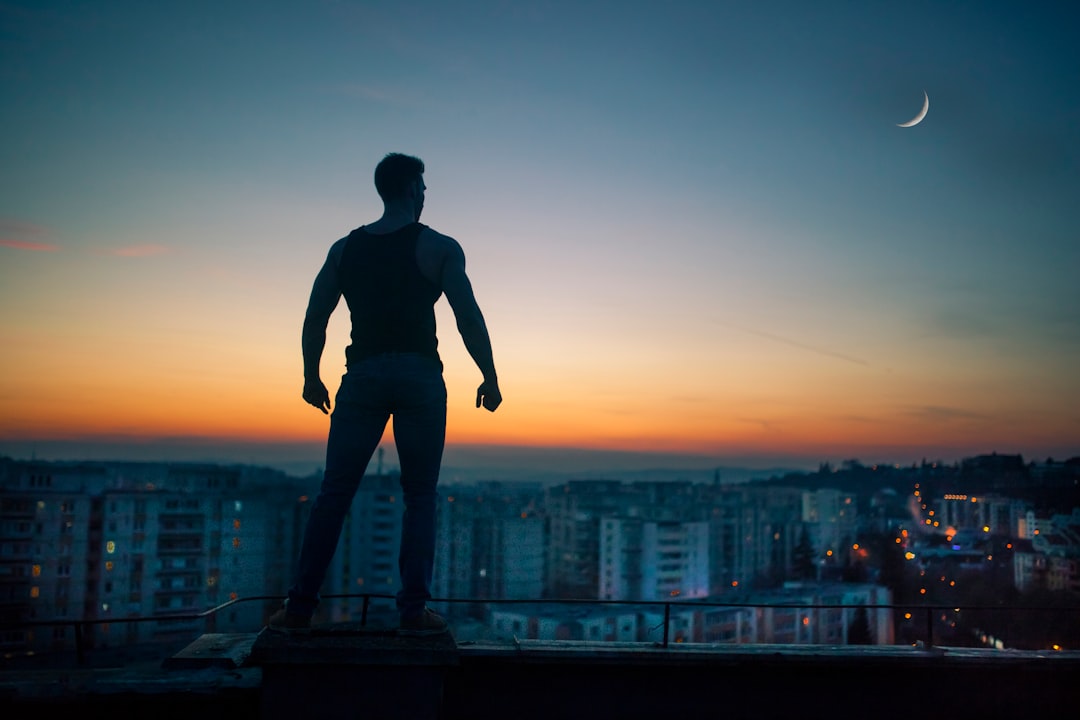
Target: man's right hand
x=316 y=394
x=488 y=396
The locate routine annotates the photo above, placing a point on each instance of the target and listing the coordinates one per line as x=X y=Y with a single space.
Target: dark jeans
x=409 y=387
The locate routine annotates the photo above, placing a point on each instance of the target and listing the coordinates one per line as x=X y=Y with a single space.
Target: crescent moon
x=922 y=113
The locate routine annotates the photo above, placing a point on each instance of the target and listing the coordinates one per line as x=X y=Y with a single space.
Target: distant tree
x=858 y=632
x=802 y=558
x=893 y=566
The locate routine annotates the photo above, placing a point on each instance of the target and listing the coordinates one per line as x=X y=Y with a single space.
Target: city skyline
x=697 y=233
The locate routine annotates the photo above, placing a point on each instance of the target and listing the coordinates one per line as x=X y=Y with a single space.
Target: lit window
x=236 y=542
x=35 y=591
x=238 y=505
x=105 y=608
x=110 y=547
x=907 y=616
x=108 y=565
x=236 y=524
x=233 y=596
x=36 y=571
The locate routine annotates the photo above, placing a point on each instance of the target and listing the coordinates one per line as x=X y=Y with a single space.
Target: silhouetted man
x=391 y=273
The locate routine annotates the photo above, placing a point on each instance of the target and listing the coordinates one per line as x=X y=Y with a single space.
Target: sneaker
x=426 y=623
x=289 y=623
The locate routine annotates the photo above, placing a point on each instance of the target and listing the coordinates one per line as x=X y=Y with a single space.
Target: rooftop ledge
x=342 y=671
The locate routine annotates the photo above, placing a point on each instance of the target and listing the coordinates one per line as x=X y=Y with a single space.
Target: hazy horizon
x=467 y=462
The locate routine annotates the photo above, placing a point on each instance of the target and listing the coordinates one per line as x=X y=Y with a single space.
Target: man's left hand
x=316 y=394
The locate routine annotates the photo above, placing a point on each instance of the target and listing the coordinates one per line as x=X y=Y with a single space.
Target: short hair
x=394 y=173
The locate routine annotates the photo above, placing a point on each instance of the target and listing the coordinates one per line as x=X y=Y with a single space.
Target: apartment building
x=643 y=559
x=490 y=543
x=753 y=533
x=119 y=541
x=573 y=554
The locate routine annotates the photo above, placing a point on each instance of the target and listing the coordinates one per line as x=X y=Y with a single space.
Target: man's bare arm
x=325 y=294
x=470 y=322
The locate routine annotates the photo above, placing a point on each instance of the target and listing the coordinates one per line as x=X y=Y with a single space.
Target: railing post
x=363 y=612
x=929 y=627
x=667 y=621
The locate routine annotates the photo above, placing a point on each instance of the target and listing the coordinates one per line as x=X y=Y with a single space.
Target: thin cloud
x=25 y=236
x=382 y=96
x=938 y=413
x=33 y=246
x=797 y=344
x=138 y=251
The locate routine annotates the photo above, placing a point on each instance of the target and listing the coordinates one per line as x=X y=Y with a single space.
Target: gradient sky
x=693 y=227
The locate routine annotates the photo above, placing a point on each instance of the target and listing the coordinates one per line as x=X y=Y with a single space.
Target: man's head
x=399 y=178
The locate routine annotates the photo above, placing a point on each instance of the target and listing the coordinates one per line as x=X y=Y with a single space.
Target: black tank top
x=391 y=302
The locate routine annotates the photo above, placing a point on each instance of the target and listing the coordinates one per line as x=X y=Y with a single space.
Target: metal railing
x=80 y=626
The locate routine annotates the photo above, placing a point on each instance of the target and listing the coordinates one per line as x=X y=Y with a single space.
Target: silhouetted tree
x=893 y=566
x=802 y=558
x=858 y=632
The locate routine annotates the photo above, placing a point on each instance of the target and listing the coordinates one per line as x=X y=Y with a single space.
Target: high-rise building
x=753 y=532
x=154 y=541
x=574 y=513
x=490 y=543
x=644 y=559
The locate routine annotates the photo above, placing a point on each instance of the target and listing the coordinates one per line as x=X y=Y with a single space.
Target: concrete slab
x=224 y=650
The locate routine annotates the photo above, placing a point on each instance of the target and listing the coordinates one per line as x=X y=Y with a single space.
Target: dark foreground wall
x=353 y=675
